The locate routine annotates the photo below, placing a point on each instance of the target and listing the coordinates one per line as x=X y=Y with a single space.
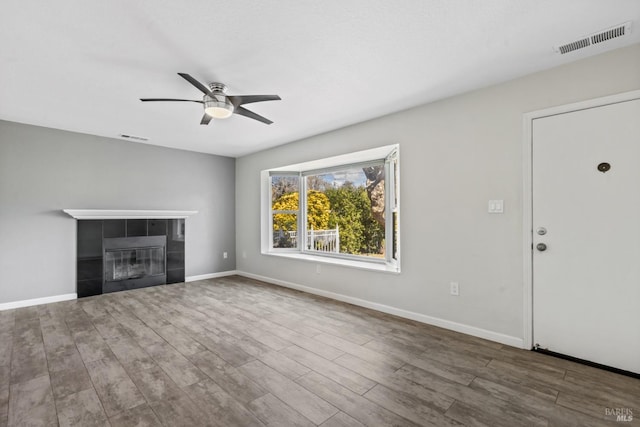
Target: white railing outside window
x=319 y=240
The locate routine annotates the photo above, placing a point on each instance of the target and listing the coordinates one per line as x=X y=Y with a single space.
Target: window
x=285 y=208
x=345 y=210
x=338 y=208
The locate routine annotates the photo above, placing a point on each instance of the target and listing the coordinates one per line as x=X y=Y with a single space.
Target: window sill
x=362 y=265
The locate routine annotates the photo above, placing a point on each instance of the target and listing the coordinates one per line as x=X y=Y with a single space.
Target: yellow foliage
x=318 y=209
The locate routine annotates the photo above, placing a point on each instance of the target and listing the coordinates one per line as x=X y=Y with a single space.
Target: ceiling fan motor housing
x=218 y=87
x=218 y=106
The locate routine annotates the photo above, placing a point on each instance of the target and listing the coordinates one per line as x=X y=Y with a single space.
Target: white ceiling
x=81 y=65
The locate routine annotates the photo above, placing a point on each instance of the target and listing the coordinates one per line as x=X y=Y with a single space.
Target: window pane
x=284 y=192
x=396 y=188
x=284 y=207
x=395 y=236
x=285 y=234
x=345 y=211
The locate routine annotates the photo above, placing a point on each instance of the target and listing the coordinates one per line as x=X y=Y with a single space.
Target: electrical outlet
x=225 y=255
x=244 y=254
x=455 y=289
x=317 y=268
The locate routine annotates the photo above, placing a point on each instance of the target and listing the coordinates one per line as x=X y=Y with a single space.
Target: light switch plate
x=496 y=206
x=454 y=288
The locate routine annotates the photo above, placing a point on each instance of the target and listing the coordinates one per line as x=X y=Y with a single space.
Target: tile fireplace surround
x=97 y=227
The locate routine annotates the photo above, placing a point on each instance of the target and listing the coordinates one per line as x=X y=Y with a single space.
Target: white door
x=586 y=210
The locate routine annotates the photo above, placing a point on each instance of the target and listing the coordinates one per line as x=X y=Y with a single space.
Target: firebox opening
x=134 y=262
x=124 y=264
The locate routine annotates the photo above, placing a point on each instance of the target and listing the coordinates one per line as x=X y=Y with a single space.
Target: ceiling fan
x=218 y=105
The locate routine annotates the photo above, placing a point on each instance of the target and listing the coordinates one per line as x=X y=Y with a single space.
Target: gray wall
x=43 y=171
x=456 y=154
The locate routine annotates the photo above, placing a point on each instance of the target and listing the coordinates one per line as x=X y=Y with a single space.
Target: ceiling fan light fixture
x=218 y=109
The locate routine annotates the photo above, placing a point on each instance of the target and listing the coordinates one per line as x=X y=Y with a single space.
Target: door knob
x=542 y=231
x=541 y=247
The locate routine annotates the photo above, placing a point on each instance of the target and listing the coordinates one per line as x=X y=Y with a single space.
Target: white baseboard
x=423 y=318
x=210 y=275
x=37 y=301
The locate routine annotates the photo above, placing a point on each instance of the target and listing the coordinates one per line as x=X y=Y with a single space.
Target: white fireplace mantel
x=126 y=214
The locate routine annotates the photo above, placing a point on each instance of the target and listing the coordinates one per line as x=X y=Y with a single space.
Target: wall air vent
x=611 y=33
x=570 y=47
x=595 y=38
x=133 y=137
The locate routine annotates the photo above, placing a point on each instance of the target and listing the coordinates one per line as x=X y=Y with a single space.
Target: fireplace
x=133 y=262
x=121 y=254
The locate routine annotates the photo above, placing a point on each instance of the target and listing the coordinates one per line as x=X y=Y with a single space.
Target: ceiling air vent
x=595 y=38
x=133 y=137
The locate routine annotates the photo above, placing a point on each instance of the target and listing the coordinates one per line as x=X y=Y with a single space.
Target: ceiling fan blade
x=170 y=99
x=202 y=88
x=238 y=100
x=205 y=119
x=244 y=112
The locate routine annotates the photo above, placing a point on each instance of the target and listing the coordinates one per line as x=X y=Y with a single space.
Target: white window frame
x=392 y=206
x=388 y=156
x=272 y=212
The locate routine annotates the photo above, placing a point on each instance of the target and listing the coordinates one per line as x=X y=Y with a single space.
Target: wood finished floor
x=236 y=352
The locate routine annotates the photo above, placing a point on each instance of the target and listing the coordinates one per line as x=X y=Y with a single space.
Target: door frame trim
x=527 y=198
